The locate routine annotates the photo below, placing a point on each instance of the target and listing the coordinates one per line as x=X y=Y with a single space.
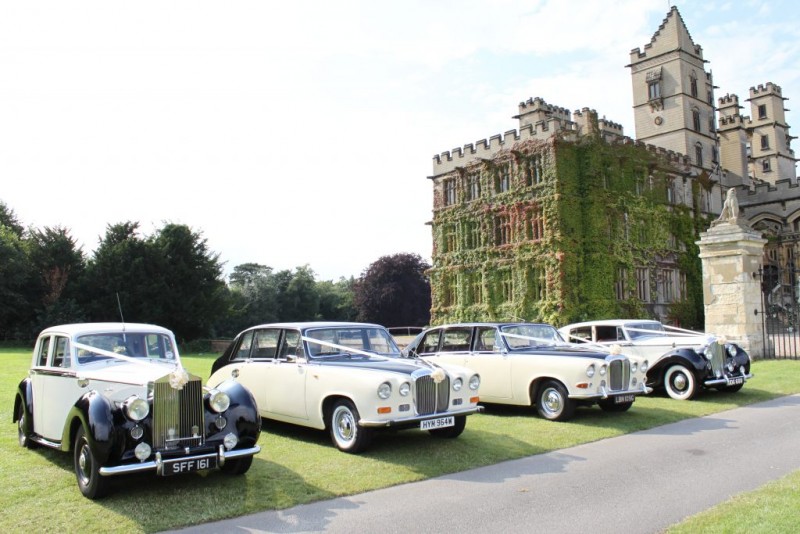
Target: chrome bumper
x=724 y=381
x=156 y=464
x=417 y=419
x=604 y=393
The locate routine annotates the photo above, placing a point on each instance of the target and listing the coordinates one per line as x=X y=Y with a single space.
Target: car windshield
x=325 y=342
x=525 y=336
x=94 y=347
x=640 y=330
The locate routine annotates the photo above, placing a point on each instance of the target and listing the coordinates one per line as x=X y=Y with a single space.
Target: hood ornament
x=178 y=378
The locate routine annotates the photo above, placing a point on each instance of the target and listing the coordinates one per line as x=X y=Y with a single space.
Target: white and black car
x=682 y=362
x=117 y=396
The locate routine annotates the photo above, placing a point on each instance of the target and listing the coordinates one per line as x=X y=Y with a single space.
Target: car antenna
x=121 y=317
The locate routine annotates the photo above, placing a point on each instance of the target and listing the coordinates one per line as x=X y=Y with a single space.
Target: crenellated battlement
x=637 y=53
x=729 y=100
x=765 y=192
x=538 y=104
x=764 y=90
x=733 y=120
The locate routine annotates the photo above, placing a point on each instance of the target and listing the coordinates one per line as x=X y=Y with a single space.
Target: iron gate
x=780 y=310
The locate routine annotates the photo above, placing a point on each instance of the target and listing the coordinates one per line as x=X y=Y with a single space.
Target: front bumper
x=410 y=421
x=730 y=380
x=605 y=393
x=156 y=465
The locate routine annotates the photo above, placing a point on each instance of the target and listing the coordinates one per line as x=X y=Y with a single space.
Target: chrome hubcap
x=552 y=401
x=83 y=461
x=680 y=382
x=345 y=425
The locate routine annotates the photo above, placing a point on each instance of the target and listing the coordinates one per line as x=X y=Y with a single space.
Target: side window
x=243 y=352
x=292 y=346
x=581 y=334
x=265 y=344
x=430 y=343
x=485 y=340
x=456 y=339
x=606 y=333
x=44 y=351
x=61 y=357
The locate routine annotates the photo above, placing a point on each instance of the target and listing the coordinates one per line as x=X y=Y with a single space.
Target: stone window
x=765 y=166
x=473 y=186
x=535 y=223
x=762 y=111
x=764 y=142
x=667 y=290
x=449 y=192
x=681 y=286
x=506 y=285
x=537 y=284
x=449 y=238
x=502 y=182
x=698 y=155
x=533 y=170
x=653 y=79
x=472 y=235
x=643 y=284
x=502 y=230
x=696 y=119
x=475 y=288
x=620 y=282
x=693 y=84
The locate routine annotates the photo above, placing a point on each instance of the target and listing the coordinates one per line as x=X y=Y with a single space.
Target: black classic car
x=117 y=396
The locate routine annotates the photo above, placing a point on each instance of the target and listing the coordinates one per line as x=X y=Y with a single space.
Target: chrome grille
x=430 y=396
x=619 y=374
x=717 y=353
x=177 y=414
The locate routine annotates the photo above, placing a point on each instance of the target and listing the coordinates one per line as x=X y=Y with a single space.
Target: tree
x=394 y=291
x=16 y=306
x=299 y=300
x=336 y=300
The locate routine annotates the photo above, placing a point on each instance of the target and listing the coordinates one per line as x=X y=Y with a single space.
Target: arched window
x=693 y=84
x=696 y=119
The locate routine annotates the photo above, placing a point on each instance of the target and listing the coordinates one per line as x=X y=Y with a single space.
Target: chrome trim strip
x=724 y=381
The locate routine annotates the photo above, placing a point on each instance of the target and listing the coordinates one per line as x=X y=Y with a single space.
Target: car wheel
x=451 y=432
x=553 y=402
x=608 y=405
x=87 y=468
x=22 y=436
x=346 y=435
x=680 y=383
x=237 y=466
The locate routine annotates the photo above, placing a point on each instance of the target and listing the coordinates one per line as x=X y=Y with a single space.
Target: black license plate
x=622 y=399
x=188 y=465
x=736 y=381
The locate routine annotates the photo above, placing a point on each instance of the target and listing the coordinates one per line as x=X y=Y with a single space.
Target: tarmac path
x=637 y=483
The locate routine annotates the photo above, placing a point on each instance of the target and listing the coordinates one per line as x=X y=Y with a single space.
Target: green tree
x=336 y=300
x=298 y=298
x=16 y=306
x=394 y=291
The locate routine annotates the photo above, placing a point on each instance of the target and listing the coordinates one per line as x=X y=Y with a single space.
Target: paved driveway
x=641 y=482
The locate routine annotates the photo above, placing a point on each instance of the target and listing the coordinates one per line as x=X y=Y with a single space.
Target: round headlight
x=602 y=370
x=634 y=366
x=457 y=384
x=230 y=440
x=645 y=366
x=142 y=452
x=385 y=390
x=405 y=389
x=474 y=382
x=219 y=401
x=731 y=349
x=136 y=408
x=590 y=371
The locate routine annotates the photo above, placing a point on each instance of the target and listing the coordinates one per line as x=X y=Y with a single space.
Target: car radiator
x=178 y=414
x=619 y=374
x=430 y=396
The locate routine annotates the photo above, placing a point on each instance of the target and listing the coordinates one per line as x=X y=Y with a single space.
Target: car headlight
x=645 y=365
x=590 y=371
x=405 y=389
x=136 y=408
x=731 y=349
x=219 y=401
x=634 y=366
x=602 y=370
x=474 y=382
x=385 y=390
x=457 y=384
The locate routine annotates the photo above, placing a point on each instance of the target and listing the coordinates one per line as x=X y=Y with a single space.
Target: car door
x=55 y=387
x=491 y=362
x=285 y=386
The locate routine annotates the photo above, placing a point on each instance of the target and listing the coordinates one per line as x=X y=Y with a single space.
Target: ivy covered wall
x=562 y=230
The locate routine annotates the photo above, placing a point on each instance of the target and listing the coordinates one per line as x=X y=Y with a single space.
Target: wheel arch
x=327 y=406
x=95 y=414
x=686 y=357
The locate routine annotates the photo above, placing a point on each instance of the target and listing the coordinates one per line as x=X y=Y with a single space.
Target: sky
x=302 y=133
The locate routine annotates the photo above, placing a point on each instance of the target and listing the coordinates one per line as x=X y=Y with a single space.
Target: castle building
x=565 y=218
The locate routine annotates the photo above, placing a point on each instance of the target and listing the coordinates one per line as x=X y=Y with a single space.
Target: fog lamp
x=142 y=451
x=230 y=440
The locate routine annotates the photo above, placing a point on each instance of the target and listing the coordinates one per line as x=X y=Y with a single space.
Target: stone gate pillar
x=731 y=252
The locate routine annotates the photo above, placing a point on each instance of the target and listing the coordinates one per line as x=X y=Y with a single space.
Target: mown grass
x=298 y=465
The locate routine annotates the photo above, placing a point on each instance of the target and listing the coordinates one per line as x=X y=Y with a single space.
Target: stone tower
x=673 y=95
x=771 y=158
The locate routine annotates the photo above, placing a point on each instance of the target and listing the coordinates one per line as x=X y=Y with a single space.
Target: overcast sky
x=302 y=132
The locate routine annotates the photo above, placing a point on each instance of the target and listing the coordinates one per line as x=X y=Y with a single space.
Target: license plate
x=736 y=381
x=188 y=465
x=621 y=399
x=440 y=422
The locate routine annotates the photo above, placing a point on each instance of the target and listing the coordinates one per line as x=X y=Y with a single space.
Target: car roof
x=96 y=328
x=611 y=322
x=304 y=325
x=489 y=324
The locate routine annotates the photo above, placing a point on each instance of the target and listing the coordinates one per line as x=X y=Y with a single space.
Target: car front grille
x=717 y=353
x=177 y=414
x=430 y=396
x=619 y=374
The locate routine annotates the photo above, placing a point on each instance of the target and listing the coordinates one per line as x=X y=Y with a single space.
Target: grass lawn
x=298 y=465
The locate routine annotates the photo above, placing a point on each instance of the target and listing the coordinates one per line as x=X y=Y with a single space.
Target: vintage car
x=116 y=395
x=529 y=364
x=681 y=361
x=348 y=378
